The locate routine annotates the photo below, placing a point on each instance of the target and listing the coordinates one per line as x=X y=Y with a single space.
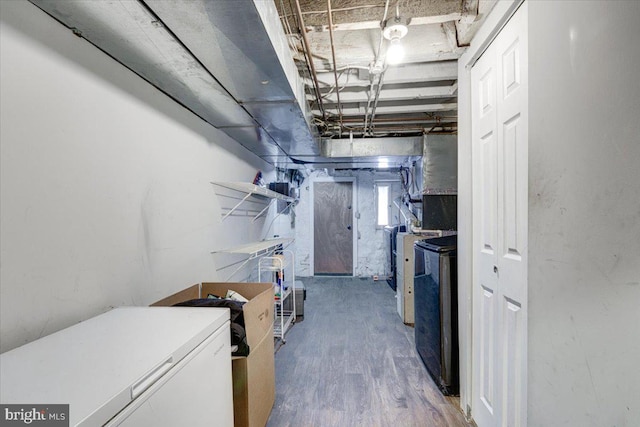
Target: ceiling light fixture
x=393 y=30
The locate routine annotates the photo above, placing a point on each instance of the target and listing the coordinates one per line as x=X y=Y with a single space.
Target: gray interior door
x=333 y=228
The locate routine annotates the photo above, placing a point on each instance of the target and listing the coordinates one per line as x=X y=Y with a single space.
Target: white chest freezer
x=133 y=366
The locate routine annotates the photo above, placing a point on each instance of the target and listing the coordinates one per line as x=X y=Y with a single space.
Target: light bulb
x=395 y=52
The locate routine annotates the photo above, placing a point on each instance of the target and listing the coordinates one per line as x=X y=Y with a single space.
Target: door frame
x=467 y=268
x=354 y=227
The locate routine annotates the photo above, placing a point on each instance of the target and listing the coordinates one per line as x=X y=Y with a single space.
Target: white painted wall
x=105 y=194
x=584 y=210
x=371 y=247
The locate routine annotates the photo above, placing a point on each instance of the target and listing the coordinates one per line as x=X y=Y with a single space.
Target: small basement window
x=383 y=204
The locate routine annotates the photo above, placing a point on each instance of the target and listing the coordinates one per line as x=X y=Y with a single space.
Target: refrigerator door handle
x=151 y=377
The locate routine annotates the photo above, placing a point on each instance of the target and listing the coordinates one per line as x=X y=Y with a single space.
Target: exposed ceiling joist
x=446 y=117
x=410 y=73
x=356 y=109
x=367 y=25
x=399 y=94
x=353 y=11
x=451 y=31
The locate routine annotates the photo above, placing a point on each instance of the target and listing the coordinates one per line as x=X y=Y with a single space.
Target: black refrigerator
x=436 y=310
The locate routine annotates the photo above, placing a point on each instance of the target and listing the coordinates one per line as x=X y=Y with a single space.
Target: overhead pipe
x=307 y=49
x=402 y=128
x=375 y=61
x=376 y=99
x=418 y=127
x=405 y=119
x=335 y=64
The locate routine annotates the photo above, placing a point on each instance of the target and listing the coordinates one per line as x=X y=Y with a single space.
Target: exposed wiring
x=384 y=18
x=380 y=76
x=375 y=104
x=405 y=178
x=332 y=88
x=346 y=83
x=335 y=63
x=416 y=186
x=353 y=67
x=309 y=56
x=277 y=215
x=285 y=19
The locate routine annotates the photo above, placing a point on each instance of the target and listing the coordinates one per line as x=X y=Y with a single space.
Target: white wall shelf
x=250 y=192
x=255 y=250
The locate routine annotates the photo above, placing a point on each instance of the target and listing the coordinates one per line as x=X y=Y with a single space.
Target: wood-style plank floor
x=352 y=362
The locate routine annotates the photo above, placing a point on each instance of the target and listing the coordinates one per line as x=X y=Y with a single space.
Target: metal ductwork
x=372 y=147
x=440 y=164
x=226 y=61
x=243 y=45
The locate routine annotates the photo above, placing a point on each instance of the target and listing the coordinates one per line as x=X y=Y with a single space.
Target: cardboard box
x=254 y=389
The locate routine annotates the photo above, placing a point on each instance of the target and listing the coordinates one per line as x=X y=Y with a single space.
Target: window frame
x=389 y=184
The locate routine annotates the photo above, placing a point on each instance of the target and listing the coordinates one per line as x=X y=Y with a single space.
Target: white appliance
x=404 y=274
x=133 y=366
x=404 y=277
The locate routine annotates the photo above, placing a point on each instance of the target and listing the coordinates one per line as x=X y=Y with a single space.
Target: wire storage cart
x=279 y=269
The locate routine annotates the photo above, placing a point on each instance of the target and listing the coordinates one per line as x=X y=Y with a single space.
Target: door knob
x=495 y=268
x=348 y=227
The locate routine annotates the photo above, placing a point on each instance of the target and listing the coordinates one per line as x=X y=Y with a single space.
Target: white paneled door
x=500 y=147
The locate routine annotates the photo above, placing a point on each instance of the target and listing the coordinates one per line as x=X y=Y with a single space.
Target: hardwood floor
x=352 y=362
